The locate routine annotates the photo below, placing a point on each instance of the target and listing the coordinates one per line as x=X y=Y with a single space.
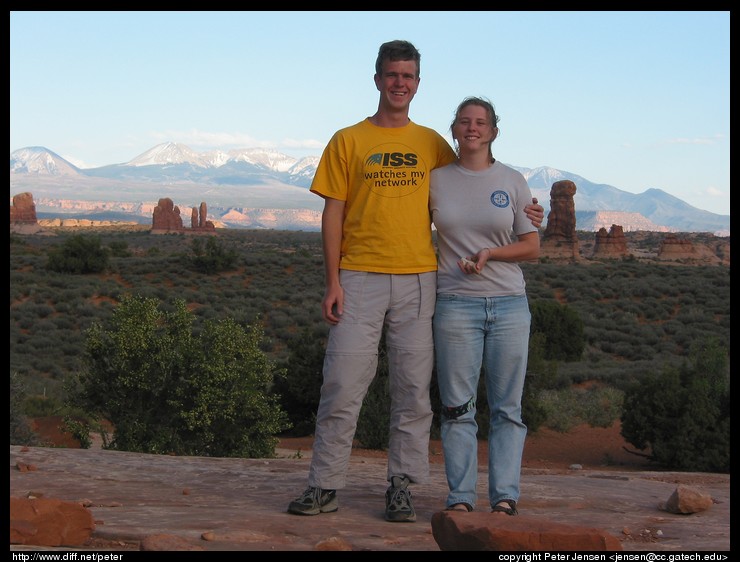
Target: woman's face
x=472 y=129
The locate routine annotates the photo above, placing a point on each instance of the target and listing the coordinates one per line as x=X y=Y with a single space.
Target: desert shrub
x=165 y=390
x=601 y=406
x=562 y=328
x=78 y=254
x=560 y=407
x=597 y=406
x=41 y=406
x=681 y=415
x=213 y=256
x=78 y=429
x=119 y=249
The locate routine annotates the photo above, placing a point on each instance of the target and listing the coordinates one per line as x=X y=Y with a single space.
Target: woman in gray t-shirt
x=482 y=316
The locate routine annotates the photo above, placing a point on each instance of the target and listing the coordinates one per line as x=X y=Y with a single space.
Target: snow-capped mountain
x=175 y=162
x=258 y=178
x=40 y=161
x=174 y=153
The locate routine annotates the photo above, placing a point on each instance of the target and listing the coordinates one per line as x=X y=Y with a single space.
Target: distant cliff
x=593 y=221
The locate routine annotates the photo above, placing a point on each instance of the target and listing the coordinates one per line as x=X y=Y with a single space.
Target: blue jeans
x=492 y=333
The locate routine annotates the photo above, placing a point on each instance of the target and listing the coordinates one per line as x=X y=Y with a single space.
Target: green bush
x=597 y=406
x=119 y=248
x=212 y=258
x=165 y=390
x=78 y=254
x=682 y=415
x=562 y=327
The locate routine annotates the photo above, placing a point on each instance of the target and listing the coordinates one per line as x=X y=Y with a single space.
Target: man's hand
x=535 y=212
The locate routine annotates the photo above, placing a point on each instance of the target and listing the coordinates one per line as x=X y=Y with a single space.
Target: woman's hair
x=397 y=50
x=490 y=112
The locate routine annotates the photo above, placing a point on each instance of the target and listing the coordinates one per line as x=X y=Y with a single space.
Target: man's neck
x=390 y=119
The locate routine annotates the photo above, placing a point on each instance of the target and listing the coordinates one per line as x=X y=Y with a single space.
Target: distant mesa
x=166 y=218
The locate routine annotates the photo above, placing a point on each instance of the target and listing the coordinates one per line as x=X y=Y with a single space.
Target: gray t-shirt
x=476 y=210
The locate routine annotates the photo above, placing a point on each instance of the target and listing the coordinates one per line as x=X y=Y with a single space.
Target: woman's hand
x=474 y=264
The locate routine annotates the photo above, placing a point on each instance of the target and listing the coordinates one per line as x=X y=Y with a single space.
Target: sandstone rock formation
x=198 y=219
x=559 y=240
x=166 y=218
x=23 y=209
x=610 y=244
x=675 y=248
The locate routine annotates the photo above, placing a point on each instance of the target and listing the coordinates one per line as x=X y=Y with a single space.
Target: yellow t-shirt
x=383 y=174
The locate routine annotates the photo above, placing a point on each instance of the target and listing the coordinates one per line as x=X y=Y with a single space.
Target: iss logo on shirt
x=393 y=170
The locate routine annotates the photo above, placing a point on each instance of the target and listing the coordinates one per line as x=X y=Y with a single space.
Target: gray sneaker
x=314 y=501
x=398 y=506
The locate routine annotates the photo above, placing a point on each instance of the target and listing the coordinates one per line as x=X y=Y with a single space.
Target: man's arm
x=332 y=220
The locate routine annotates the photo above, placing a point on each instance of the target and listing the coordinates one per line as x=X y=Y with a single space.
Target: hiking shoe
x=398 y=505
x=314 y=501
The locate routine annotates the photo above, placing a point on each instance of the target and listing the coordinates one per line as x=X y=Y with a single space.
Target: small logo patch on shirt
x=500 y=198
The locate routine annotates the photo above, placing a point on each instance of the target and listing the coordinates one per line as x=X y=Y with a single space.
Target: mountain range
x=262 y=188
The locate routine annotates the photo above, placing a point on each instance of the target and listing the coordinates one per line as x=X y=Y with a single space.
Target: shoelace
x=400 y=498
x=311 y=494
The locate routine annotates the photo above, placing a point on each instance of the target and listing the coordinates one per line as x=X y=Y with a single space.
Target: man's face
x=398 y=83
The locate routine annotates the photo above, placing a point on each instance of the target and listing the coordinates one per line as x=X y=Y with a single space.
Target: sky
x=632 y=99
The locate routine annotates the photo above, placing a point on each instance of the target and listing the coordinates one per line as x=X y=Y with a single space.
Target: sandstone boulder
x=502 y=533
x=49 y=522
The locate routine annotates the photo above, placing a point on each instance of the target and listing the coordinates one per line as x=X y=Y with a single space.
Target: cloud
x=203 y=140
x=310 y=144
x=714 y=192
x=206 y=140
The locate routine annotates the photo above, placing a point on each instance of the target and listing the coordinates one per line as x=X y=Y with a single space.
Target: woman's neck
x=476 y=161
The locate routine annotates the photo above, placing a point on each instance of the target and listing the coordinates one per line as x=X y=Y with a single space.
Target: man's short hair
x=397 y=50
